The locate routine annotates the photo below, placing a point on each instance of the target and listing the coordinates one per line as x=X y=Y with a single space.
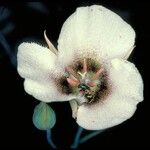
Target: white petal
x=120 y=105
x=74 y=108
x=46 y=92
x=35 y=61
x=38 y=66
x=95 y=29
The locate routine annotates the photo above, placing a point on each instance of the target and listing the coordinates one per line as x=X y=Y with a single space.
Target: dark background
x=26 y=22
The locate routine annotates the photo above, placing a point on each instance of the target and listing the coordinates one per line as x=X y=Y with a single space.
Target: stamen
x=97 y=74
x=91 y=84
x=72 y=82
x=84 y=66
x=70 y=71
x=50 y=45
x=72 y=77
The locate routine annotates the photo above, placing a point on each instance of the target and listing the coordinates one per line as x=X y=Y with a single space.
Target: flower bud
x=44 y=117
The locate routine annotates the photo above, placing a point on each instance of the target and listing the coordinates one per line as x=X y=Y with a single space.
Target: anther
x=84 y=66
x=97 y=74
x=72 y=82
x=71 y=72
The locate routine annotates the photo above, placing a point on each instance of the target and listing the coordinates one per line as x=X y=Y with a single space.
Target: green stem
x=49 y=139
x=8 y=50
x=77 y=138
x=90 y=135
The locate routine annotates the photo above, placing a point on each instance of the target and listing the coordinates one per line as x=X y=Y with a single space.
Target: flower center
x=84 y=80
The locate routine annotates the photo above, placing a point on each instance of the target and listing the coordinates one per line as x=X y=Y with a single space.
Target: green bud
x=44 y=117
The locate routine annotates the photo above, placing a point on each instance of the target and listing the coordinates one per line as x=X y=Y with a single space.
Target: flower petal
x=95 y=30
x=38 y=66
x=74 y=108
x=46 y=92
x=120 y=105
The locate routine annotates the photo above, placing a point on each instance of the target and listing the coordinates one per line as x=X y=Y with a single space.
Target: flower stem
x=89 y=136
x=77 y=138
x=7 y=49
x=49 y=139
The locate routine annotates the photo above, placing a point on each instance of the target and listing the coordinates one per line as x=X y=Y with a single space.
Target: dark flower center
x=85 y=78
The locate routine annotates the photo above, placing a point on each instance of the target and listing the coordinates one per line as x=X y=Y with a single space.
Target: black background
x=16 y=107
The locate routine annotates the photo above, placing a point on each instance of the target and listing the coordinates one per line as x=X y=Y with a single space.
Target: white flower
x=89 y=69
